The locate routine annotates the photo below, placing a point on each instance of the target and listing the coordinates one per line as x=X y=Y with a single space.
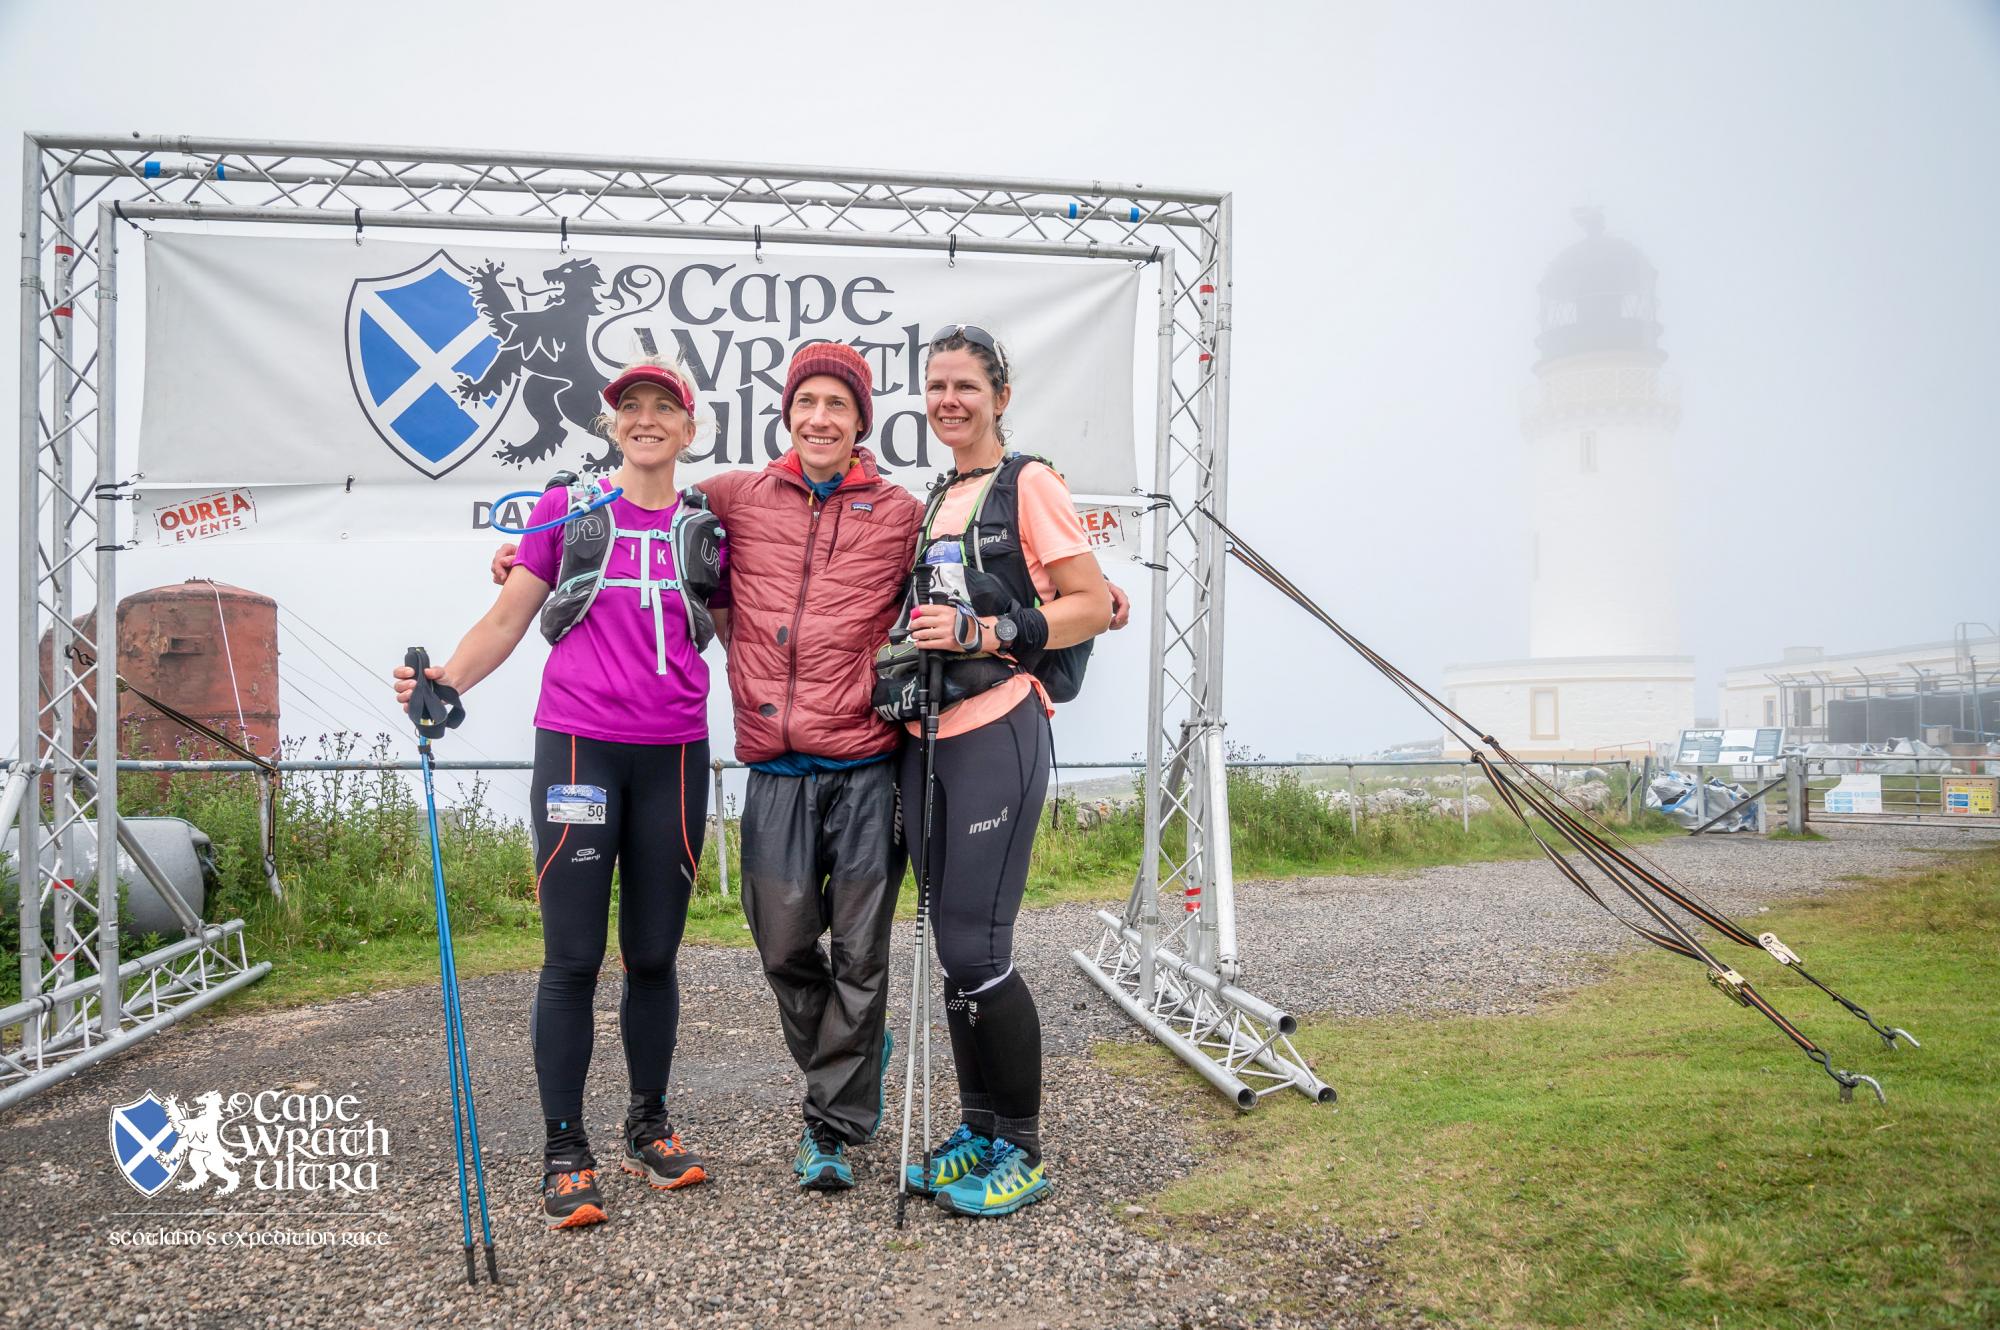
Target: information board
x=1856 y=794
x=1710 y=748
x=1971 y=796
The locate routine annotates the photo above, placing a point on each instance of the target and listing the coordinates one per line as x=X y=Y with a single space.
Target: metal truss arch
x=1169 y=958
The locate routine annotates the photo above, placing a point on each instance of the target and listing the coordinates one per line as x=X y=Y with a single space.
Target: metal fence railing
x=1357 y=788
x=1929 y=790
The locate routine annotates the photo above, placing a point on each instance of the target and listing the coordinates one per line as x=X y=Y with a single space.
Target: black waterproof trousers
x=821 y=856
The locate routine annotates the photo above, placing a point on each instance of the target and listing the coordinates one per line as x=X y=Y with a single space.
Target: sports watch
x=1005 y=630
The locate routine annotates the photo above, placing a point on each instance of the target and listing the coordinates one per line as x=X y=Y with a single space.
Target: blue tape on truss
x=152 y=170
x=1135 y=213
x=1072 y=210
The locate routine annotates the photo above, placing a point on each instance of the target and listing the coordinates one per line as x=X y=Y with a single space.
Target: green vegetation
x=1640 y=1154
x=1279 y=827
x=354 y=856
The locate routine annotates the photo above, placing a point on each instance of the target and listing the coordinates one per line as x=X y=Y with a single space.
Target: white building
x=1906 y=692
x=1603 y=671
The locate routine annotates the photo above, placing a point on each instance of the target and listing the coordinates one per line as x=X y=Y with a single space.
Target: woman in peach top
x=1012 y=521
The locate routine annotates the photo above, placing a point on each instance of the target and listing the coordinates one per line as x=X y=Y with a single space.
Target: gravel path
x=748 y=1249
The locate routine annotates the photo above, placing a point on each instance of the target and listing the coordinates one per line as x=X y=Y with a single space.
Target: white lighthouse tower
x=1603 y=671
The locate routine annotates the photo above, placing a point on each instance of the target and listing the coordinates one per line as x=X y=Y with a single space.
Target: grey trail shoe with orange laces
x=658 y=1156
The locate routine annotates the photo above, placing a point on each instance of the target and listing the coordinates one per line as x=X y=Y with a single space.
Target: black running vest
x=996 y=576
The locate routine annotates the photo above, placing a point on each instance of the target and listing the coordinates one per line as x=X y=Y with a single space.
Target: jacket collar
x=861 y=474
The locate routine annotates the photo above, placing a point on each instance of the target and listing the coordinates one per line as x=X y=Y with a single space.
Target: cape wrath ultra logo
x=210 y=515
x=271 y=1140
x=438 y=354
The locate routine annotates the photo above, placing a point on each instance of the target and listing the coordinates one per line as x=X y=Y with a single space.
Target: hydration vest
x=695 y=537
x=997 y=582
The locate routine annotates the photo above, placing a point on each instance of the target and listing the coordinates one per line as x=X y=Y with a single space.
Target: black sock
x=977 y=1113
x=1024 y=1132
x=567 y=1149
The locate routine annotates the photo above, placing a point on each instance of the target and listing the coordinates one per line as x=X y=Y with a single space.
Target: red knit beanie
x=844 y=363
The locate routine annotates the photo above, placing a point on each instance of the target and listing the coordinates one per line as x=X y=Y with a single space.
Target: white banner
x=307 y=390
x=1114 y=532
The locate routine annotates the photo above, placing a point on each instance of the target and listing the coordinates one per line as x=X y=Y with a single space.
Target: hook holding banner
x=565 y=234
x=757 y=240
x=951 y=251
x=357 y=226
x=118 y=211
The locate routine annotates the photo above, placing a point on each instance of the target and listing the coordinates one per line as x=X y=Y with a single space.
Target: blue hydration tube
x=607 y=497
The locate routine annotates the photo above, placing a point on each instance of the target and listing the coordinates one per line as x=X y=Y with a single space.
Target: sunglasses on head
x=976 y=335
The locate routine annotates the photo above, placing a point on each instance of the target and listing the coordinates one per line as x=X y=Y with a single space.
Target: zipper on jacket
x=798 y=616
x=845 y=488
x=833 y=541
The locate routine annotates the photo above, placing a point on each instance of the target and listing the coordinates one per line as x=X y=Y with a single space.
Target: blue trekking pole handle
x=434 y=708
x=495 y=523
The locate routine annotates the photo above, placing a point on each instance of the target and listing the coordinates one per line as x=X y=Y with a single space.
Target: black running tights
x=642 y=808
x=990 y=783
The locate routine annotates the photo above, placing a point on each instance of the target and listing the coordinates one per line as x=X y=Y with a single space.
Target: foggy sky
x=1816 y=183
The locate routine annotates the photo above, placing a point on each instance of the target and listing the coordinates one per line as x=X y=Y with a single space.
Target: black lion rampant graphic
x=555 y=348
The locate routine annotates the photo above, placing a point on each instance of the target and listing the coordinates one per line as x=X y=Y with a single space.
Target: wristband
x=966 y=630
x=1033 y=626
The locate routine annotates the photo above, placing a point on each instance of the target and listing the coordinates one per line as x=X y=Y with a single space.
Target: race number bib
x=577 y=803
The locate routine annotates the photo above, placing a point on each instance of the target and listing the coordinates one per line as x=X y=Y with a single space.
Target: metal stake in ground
x=930 y=688
x=435 y=708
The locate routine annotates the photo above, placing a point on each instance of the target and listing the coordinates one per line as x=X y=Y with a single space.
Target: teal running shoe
x=1002 y=1184
x=959 y=1155
x=822 y=1166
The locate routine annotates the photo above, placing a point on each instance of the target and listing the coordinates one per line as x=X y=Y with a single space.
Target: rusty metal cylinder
x=204 y=648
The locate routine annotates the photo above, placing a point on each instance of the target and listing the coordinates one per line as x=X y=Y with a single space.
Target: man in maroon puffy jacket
x=819 y=545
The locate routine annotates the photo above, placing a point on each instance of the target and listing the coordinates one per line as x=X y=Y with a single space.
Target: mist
x=1816 y=184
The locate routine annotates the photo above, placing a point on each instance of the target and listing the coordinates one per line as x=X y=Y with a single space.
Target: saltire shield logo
x=143 y=1141
x=412 y=338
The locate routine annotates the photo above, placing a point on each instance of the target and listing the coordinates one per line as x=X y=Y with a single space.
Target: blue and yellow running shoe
x=959 y=1155
x=822 y=1165
x=1002 y=1184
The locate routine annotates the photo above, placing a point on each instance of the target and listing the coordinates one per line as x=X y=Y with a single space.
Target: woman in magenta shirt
x=620 y=779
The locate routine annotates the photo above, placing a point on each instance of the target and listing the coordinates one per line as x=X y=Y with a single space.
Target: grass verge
x=1641 y=1154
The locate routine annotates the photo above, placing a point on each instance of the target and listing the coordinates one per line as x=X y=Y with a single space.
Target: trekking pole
x=930 y=690
x=435 y=708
